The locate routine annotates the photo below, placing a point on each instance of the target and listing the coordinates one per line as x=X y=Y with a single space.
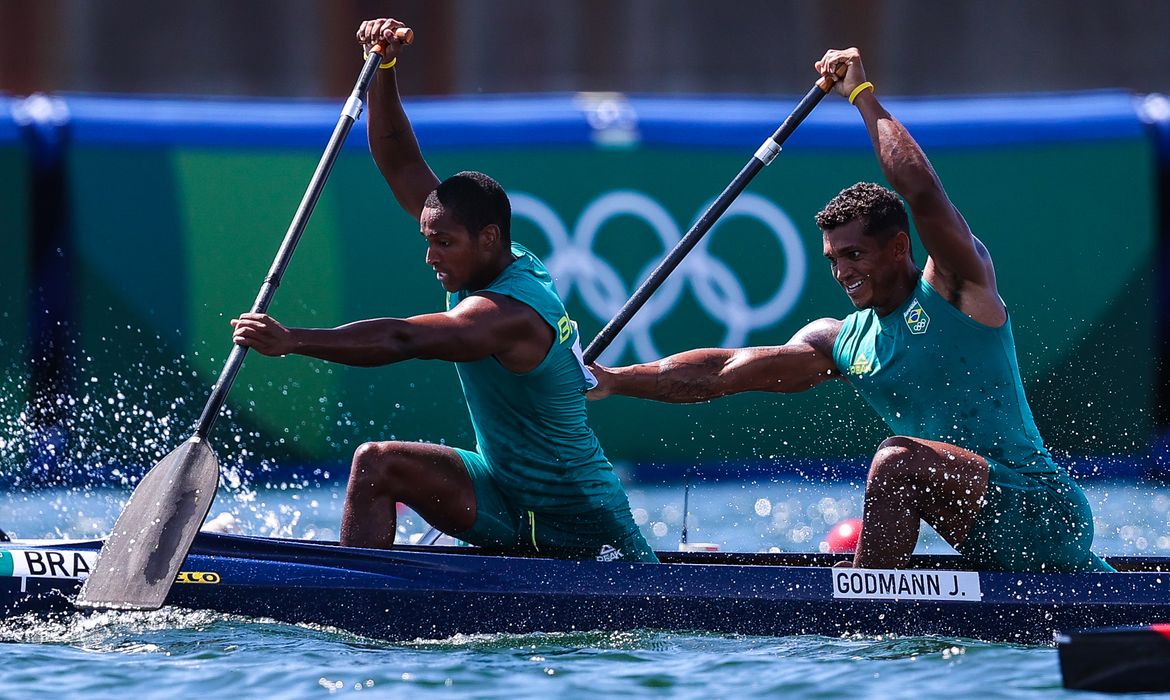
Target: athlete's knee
x=380 y=465
x=897 y=462
x=895 y=455
x=900 y=444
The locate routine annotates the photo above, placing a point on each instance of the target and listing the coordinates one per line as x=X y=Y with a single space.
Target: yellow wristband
x=387 y=65
x=858 y=90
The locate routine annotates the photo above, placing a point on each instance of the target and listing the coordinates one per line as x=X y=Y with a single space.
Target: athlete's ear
x=901 y=245
x=489 y=236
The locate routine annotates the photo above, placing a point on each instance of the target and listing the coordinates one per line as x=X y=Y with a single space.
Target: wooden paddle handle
x=824 y=83
x=402 y=34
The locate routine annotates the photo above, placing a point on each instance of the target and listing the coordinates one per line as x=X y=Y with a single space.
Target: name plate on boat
x=75 y=564
x=893 y=584
x=46 y=563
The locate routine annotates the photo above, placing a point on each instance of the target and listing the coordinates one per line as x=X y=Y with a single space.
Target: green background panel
x=15 y=239
x=180 y=241
x=235 y=210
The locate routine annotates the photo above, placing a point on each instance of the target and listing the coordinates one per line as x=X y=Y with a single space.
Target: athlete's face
x=458 y=258
x=865 y=269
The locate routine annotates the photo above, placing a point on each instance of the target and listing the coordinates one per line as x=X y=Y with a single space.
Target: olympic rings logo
x=575 y=267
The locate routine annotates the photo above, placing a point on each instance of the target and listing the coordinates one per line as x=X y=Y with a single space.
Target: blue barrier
x=607 y=119
x=9 y=130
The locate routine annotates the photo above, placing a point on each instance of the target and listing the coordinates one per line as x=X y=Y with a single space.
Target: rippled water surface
x=173 y=653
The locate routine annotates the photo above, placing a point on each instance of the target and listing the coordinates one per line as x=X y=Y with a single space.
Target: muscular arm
x=479 y=327
x=701 y=375
x=959 y=266
x=944 y=232
x=392 y=142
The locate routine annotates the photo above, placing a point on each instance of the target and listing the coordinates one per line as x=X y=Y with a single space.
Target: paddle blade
x=149 y=543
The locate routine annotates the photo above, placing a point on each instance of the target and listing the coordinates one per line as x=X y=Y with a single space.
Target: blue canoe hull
x=437 y=592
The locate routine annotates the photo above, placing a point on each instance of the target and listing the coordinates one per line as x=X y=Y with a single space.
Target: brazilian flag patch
x=916 y=319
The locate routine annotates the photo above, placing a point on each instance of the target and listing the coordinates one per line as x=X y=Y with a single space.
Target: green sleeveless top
x=932 y=372
x=531 y=427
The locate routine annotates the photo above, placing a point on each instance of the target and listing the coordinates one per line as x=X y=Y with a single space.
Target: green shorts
x=1032 y=522
x=604 y=534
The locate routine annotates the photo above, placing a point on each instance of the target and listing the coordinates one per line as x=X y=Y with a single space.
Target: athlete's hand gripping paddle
x=152 y=536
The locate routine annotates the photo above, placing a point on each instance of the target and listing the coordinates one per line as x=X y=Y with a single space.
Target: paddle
x=764 y=155
x=150 y=541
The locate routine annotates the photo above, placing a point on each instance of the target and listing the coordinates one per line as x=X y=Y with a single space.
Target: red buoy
x=842 y=537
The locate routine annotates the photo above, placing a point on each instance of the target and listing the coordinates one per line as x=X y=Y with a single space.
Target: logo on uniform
x=609 y=553
x=916 y=318
x=861 y=366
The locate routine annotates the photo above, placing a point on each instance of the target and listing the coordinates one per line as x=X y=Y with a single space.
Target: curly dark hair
x=880 y=208
x=475 y=201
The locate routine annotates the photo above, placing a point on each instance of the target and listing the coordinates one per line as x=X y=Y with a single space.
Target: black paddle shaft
x=349 y=114
x=763 y=156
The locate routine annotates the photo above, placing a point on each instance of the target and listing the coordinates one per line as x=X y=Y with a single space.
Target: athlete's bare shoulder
x=528 y=336
x=820 y=334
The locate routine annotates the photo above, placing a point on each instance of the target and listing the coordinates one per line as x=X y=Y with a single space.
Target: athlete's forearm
x=702 y=375
x=394 y=146
x=902 y=160
x=369 y=343
x=391 y=137
x=688 y=377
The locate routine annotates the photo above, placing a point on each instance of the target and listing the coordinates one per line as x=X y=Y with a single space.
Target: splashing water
x=92 y=437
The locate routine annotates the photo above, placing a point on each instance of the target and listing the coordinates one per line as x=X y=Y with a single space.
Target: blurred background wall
x=304 y=48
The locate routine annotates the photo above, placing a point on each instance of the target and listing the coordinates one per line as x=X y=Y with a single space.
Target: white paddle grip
x=768 y=151
x=353 y=106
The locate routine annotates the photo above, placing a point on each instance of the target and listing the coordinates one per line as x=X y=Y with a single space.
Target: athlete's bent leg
x=431 y=479
x=909 y=480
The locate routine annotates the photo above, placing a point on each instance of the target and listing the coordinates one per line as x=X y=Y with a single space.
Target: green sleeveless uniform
x=932 y=372
x=542 y=481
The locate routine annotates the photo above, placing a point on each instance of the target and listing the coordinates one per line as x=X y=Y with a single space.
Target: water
x=171 y=653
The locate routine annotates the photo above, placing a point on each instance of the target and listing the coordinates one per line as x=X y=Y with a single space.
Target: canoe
x=434 y=592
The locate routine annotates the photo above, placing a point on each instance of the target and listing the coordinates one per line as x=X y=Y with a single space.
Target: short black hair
x=880 y=208
x=475 y=201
